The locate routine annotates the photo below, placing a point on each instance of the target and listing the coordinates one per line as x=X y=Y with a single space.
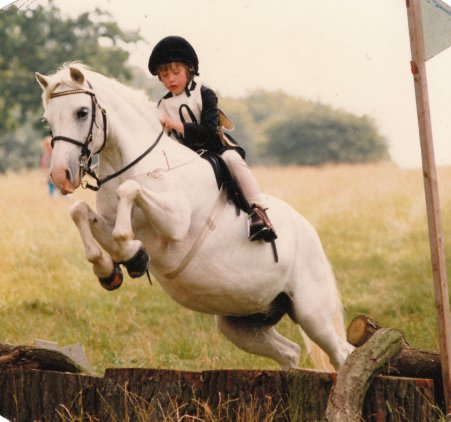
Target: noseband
x=85 y=155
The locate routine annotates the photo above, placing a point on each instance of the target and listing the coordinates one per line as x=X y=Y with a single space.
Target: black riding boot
x=260 y=228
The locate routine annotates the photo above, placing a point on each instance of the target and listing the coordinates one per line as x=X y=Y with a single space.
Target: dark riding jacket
x=197 y=108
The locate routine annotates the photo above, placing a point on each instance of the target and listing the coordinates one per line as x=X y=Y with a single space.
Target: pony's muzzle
x=65 y=179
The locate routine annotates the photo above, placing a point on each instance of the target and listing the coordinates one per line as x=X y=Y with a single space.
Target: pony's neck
x=133 y=127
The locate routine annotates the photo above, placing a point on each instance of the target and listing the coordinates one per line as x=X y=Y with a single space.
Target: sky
x=350 y=54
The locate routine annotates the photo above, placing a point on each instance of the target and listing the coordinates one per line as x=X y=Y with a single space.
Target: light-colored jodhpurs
x=244 y=177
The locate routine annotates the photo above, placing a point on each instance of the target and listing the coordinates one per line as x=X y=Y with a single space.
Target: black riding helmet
x=173 y=49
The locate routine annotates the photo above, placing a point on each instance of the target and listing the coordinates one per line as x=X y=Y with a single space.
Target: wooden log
x=34 y=395
x=215 y=395
x=399 y=399
x=361 y=367
x=360 y=329
x=296 y=395
x=36 y=358
x=410 y=362
x=148 y=394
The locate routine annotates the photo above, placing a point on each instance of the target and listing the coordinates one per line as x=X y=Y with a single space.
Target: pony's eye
x=82 y=113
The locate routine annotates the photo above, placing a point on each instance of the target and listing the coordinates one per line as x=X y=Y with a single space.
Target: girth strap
x=210 y=225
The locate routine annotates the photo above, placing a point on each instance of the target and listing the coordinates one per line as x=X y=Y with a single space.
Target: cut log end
x=361 y=329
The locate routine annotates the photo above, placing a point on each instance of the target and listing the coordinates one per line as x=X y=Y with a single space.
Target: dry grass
x=372 y=221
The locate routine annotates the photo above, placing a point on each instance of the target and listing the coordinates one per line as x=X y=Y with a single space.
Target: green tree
x=255 y=113
x=279 y=128
x=325 y=136
x=40 y=39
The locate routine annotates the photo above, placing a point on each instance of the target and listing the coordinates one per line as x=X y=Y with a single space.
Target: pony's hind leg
x=323 y=323
x=261 y=340
x=108 y=273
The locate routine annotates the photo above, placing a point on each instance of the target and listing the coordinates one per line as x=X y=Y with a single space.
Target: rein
x=105 y=179
x=85 y=155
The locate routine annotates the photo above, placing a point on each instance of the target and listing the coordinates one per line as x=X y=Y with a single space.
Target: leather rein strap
x=85 y=155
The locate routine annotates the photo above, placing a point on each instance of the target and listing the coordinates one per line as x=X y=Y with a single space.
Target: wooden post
x=418 y=67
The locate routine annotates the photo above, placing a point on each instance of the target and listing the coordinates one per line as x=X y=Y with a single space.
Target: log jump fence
x=44 y=385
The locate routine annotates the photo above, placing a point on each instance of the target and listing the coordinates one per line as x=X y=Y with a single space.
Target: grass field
x=371 y=219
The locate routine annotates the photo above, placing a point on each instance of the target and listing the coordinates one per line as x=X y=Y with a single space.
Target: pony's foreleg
x=167 y=214
x=123 y=234
x=109 y=274
x=260 y=340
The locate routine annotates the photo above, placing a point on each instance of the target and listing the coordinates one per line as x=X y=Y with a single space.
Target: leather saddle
x=224 y=178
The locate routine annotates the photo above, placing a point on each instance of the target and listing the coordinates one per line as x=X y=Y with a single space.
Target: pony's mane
x=99 y=82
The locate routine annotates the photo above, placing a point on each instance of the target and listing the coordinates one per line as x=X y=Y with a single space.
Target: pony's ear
x=77 y=75
x=42 y=80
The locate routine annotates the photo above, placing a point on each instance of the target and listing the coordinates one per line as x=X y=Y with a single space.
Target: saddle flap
x=225 y=122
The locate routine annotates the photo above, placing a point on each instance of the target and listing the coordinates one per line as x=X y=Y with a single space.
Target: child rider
x=191 y=114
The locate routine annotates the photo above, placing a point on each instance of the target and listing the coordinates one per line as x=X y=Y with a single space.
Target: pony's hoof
x=113 y=281
x=138 y=264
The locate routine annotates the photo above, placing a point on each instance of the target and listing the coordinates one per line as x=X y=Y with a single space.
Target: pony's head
x=75 y=118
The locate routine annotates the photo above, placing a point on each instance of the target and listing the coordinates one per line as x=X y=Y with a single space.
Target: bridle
x=86 y=154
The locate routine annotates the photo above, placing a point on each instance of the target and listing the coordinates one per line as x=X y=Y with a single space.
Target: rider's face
x=174 y=77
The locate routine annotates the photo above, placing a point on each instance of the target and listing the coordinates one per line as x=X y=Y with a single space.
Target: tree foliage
x=328 y=137
x=256 y=112
x=41 y=39
x=272 y=126
x=290 y=130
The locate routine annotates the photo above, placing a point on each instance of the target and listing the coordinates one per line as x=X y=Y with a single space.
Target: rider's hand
x=168 y=123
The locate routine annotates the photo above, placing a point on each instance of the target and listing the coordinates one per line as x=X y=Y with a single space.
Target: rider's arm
x=198 y=136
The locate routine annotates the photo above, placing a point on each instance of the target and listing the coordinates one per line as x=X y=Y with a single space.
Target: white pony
x=158 y=198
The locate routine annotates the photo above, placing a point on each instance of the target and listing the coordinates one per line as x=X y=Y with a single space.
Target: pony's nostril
x=68 y=175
